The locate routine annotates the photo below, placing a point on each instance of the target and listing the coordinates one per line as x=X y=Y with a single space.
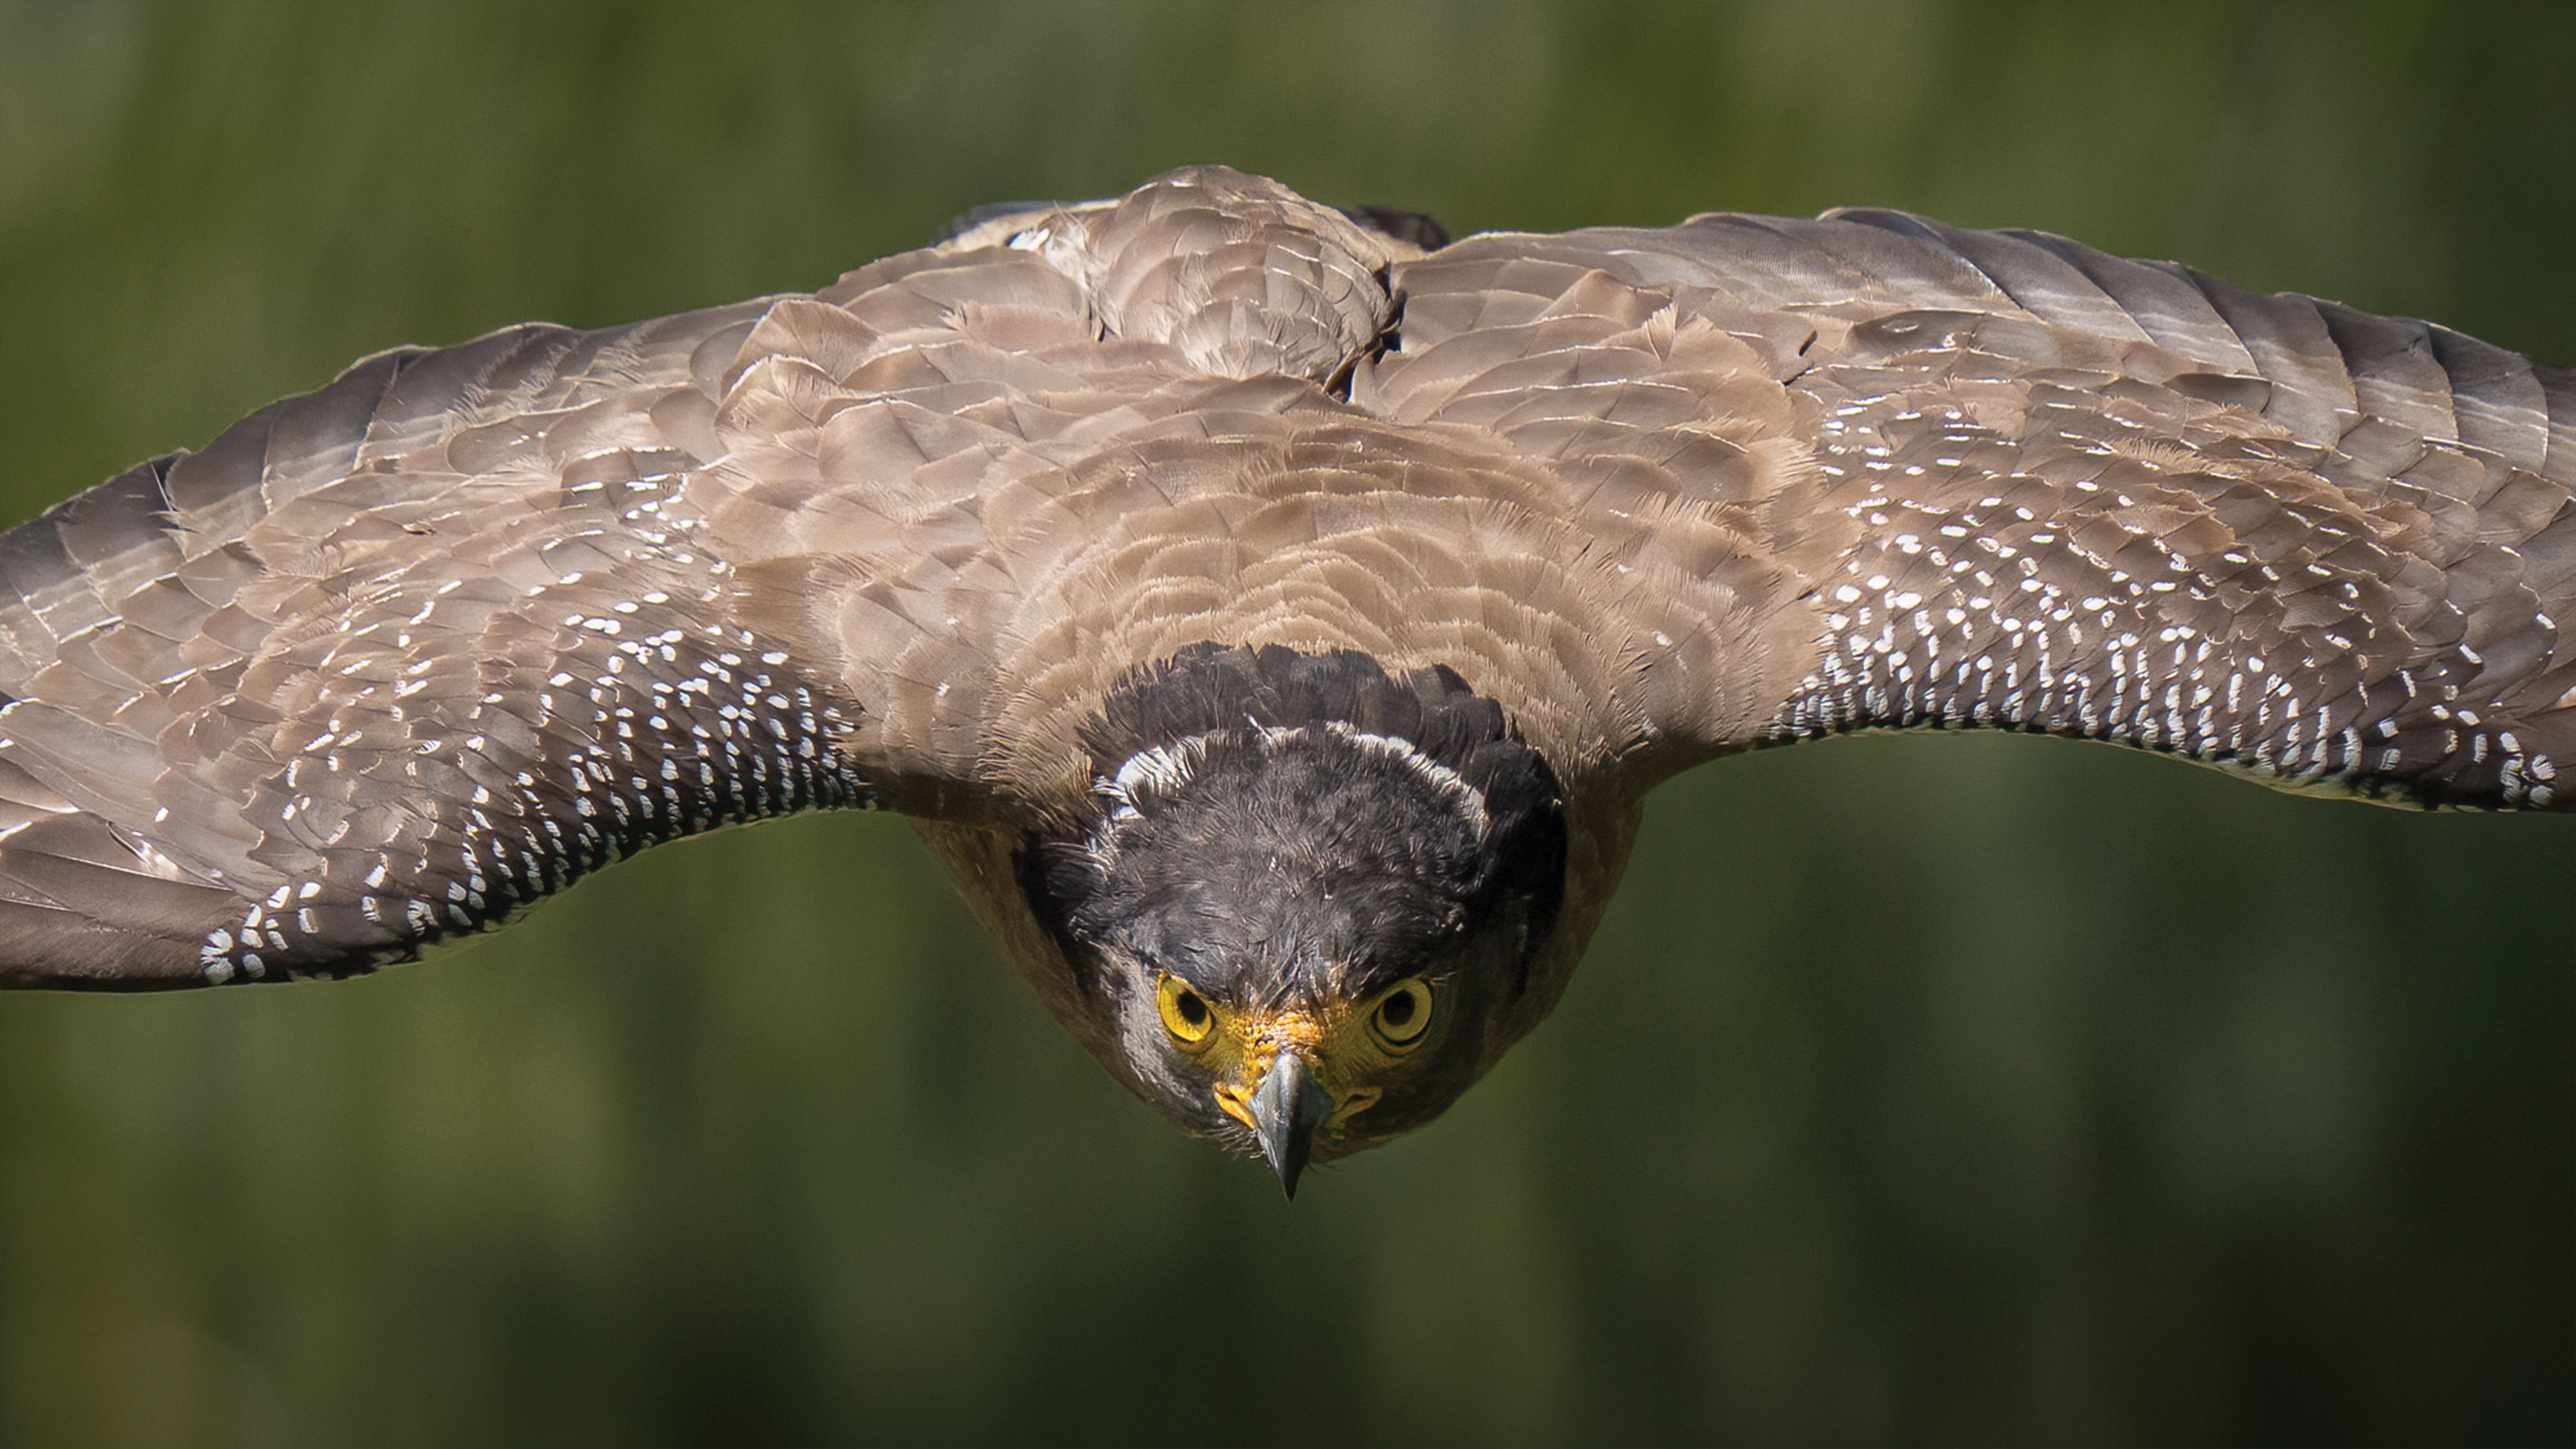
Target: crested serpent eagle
x=1273 y=616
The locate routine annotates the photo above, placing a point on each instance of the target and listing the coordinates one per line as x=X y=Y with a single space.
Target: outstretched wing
x=392 y=659
x=2045 y=488
x=383 y=663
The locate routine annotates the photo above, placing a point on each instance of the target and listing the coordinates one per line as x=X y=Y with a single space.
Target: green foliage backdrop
x=1961 y=1089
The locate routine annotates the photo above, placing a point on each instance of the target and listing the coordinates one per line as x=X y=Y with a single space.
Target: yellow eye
x=1403 y=1014
x=1185 y=1014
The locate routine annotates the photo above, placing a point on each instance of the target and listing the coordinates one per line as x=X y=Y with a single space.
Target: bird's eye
x=1402 y=1014
x=1185 y=1013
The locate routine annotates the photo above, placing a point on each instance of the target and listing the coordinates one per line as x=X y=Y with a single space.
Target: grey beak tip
x=1289 y=1106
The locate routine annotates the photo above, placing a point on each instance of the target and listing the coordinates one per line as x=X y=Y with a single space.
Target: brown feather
x=387 y=660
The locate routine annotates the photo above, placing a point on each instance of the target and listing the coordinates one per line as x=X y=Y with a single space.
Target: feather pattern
x=389 y=660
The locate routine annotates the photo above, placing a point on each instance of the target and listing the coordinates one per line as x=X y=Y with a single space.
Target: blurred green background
x=1939 y=1090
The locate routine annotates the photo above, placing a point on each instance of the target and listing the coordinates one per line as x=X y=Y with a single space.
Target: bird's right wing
x=383 y=663
x=389 y=660
x=2031 y=485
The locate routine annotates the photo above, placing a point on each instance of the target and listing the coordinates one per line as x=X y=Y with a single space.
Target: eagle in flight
x=1273 y=616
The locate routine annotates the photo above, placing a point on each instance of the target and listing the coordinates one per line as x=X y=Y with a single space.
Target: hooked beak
x=1286 y=1109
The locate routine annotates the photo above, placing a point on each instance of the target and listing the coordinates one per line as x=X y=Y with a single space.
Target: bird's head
x=1303 y=896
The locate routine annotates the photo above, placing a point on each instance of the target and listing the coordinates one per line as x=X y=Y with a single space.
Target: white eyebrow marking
x=1166 y=768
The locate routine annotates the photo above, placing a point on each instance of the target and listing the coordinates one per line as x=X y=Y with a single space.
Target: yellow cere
x=1346 y=1044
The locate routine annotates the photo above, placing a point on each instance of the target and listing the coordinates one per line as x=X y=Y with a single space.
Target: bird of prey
x=1274 y=616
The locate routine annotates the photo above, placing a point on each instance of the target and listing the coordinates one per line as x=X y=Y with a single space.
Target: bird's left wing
x=1991 y=478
